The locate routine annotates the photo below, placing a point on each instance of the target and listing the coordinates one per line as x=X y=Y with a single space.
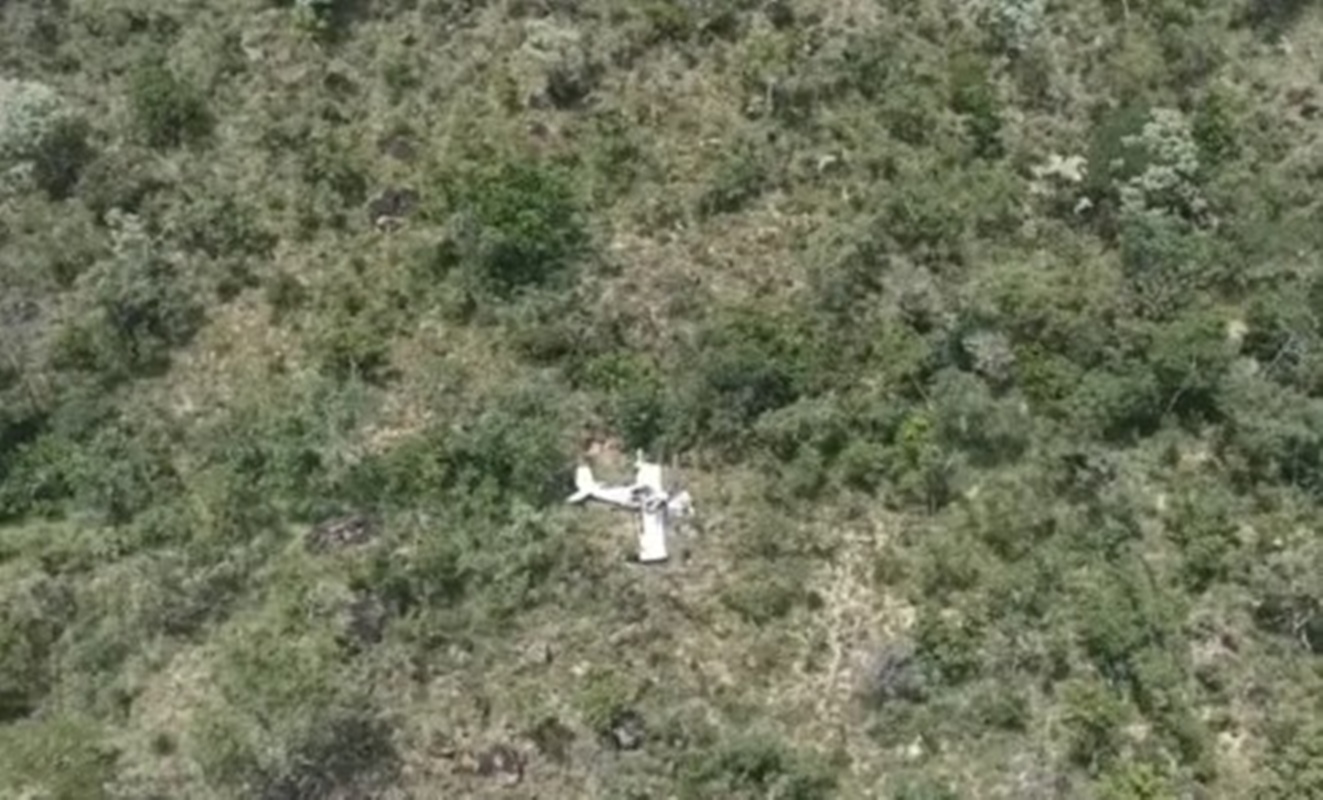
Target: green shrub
x=634 y=396
x=37 y=477
x=122 y=179
x=1190 y=358
x=749 y=362
x=1094 y=717
x=862 y=465
x=513 y=448
x=330 y=165
x=1119 y=614
x=1275 y=434
x=519 y=227
x=992 y=430
x=41 y=136
x=559 y=329
x=30 y=112
x=293 y=723
x=1202 y=524
x=59 y=248
x=752 y=766
x=924 y=789
x=1273 y=18
x=353 y=341
x=766 y=593
x=64 y=757
x=604 y=696
x=194 y=591
x=948 y=645
x=918 y=465
x=922 y=217
x=1012 y=516
x=1003 y=708
x=285 y=294
x=1215 y=130
x=1114 y=156
x=33 y=614
x=1122 y=403
x=227 y=231
x=123 y=471
x=168 y=109
x=1292 y=768
x=910 y=109
x=94 y=659
x=1289 y=595
x=278 y=451
x=1014 y=23
x=316 y=14
x=58 y=165
x=1284 y=336
x=471 y=569
x=142 y=306
x=616 y=157
x=668 y=21
x=974 y=96
x=1136 y=781
x=1166 y=262
x=739 y=180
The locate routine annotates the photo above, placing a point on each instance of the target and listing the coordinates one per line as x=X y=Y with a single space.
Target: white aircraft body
x=647 y=495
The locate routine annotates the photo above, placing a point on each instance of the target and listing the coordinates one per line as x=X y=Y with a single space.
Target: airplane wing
x=650 y=475
x=652 y=534
x=584 y=484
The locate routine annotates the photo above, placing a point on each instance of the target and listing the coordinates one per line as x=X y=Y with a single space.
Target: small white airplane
x=647 y=495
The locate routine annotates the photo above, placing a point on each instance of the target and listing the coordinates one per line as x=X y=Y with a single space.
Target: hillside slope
x=985 y=333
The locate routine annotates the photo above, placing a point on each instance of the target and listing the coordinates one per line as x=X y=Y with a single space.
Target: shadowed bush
x=168 y=109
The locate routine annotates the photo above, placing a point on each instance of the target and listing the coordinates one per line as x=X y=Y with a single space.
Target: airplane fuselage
x=632 y=496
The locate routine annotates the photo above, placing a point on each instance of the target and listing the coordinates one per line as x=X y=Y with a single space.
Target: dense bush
x=973 y=95
x=637 y=403
x=748 y=364
x=1015 y=23
x=291 y=725
x=513 y=449
x=168 y=109
x=519 y=226
x=41 y=137
x=35 y=614
x=140 y=307
x=64 y=756
x=1094 y=717
x=741 y=178
x=757 y=767
x=354 y=332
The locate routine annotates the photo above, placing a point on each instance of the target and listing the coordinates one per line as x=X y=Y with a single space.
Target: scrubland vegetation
x=986 y=334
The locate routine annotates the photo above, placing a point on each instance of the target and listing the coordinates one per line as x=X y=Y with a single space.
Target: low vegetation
x=985 y=335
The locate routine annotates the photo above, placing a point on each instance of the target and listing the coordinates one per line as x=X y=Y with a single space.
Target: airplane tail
x=585 y=483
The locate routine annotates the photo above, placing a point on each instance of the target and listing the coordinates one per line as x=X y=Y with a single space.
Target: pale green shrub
x=1015 y=23
x=30 y=114
x=1169 y=180
x=43 y=142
